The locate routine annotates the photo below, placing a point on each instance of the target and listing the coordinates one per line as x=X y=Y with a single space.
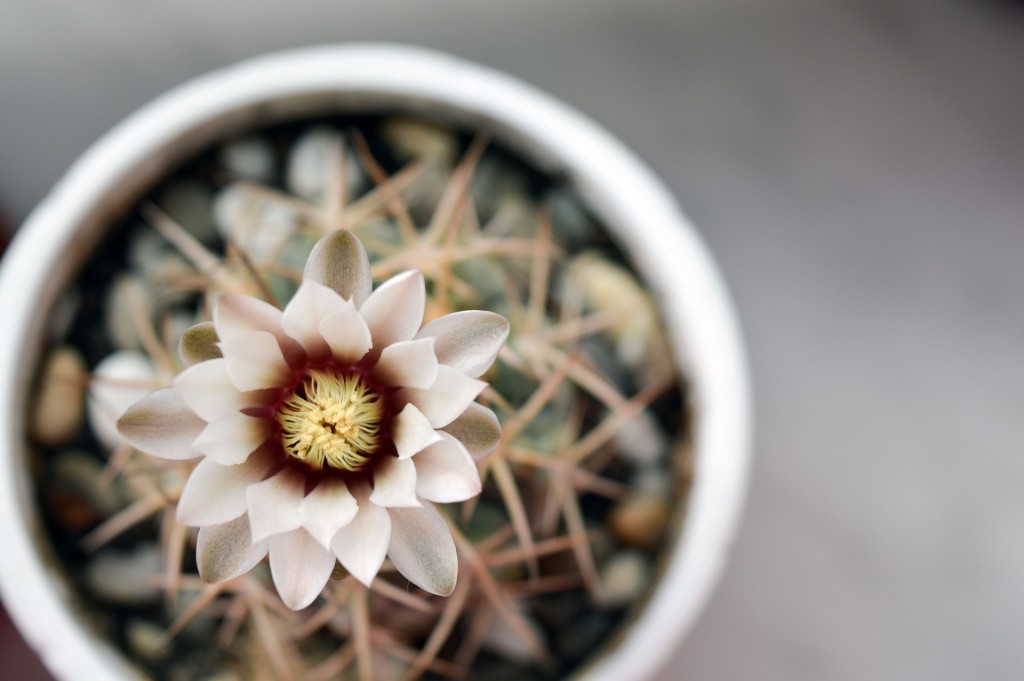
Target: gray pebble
x=126 y=578
x=252 y=158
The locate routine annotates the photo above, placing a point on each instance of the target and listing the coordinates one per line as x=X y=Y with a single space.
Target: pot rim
x=620 y=189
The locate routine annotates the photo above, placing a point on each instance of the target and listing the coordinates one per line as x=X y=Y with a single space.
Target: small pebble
x=258 y=225
x=654 y=479
x=59 y=407
x=118 y=381
x=78 y=472
x=412 y=140
x=506 y=640
x=641 y=439
x=147 y=639
x=126 y=578
x=188 y=202
x=129 y=302
x=640 y=520
x=608 y=287
x=312 y=160
x=624 y=577
x=252 y=158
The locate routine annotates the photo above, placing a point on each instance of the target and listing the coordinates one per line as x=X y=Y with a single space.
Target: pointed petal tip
x=161 y=424
x=422 y=549
x=339 y=261
x=198 y=344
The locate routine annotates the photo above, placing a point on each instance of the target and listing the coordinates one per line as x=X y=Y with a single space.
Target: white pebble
x=312 y=160
x=641 y=439
x=259 y=226
x=624 y=578
x=118 y=381
x=252 y=158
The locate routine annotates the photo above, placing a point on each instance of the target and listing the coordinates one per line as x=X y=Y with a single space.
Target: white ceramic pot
x=621 y=192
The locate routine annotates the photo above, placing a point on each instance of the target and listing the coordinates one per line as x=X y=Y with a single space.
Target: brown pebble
x=640 y=520
x=58 y=412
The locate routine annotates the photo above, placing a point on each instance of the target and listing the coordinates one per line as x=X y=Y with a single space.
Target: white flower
x=327 y=428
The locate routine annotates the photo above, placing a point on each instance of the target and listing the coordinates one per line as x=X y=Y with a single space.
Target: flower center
x=332 y=419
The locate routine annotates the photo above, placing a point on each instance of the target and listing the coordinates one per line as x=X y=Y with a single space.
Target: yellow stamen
x=332 y=419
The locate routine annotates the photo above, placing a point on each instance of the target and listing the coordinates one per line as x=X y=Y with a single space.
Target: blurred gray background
x=858 y=169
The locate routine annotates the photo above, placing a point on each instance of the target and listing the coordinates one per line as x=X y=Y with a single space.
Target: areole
x=621 y=191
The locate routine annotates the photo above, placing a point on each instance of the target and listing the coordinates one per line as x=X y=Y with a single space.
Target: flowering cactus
x=327 y=429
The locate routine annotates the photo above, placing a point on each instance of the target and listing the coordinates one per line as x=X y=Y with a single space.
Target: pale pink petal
x=422 y=549
x=161 y=424
x=467 y=340
x=444 y=401
x=207 y=389
x=255 y=361
x=327 y=509
x=215 y=494
x=302 y=316
x=411 y=431
x=236 y=315
x=478 y=429
x=394 y=311
x=198 y=344
x=346 y=333
x=394 y=483
x=300 y=567
x=227 y=551
x=338 y=261
x=233 y=437
x=274 y=504
x=411 y=364
x=362 y=544
x=445 y=472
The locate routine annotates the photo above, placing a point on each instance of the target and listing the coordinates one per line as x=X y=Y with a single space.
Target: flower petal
x=362 y=544
x=423 y=550
x=227 y=551
x=346 y=333
x=198 y=344
x=468 y=340
x=255 y=361
x=411 y=431
x=327 y=509
x=410 y=364
x=301 y=319
x=444 y=401
x=207 y=389
x=236 y=315
x=300 y=567
x=274 y=504
x=161 y=424
x=478 y=429
x=394 y=483
x=215 y=494
x=233 y=437
x=339 y=261
x=394 y=311
x=445 y=472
